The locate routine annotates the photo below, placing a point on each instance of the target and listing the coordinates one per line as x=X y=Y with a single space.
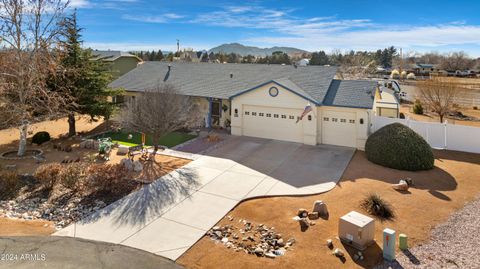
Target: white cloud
x=162 y=18
x=80 y=3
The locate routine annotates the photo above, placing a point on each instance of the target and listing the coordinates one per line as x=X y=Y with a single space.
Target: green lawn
x=169 y=140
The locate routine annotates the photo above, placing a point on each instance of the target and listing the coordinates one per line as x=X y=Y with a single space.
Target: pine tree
x=83 y=78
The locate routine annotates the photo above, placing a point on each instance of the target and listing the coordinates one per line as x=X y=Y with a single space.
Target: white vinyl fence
x=439 y=135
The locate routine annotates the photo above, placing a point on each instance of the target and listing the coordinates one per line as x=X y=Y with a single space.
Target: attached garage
x=272 y=123
x=339 y=128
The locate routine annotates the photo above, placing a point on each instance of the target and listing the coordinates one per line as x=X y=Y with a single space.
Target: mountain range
x=255 y=51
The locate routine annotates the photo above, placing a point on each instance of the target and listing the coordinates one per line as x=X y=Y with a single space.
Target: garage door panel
x=272 y=123
x=339 y=128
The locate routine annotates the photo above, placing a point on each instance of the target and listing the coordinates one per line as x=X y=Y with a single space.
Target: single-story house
x=267 y=100
x=120 y=62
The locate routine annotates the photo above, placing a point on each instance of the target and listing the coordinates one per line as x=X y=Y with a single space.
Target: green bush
x=399 y=147
x=376 y=206
x=40 y=138
x=9 y=182
x=417 y=107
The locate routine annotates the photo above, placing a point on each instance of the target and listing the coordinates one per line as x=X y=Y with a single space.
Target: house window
x=361 y=121
x=352 y=121
x=269 y=115
x=247 y=113
x=334 y=119
x=236 y=112
x=260 y=114
x=326 y=119
x=291 y=117
x=275 y=115
x=254 y=113
x=343 y=120
x=284 y=116
x=310 y=117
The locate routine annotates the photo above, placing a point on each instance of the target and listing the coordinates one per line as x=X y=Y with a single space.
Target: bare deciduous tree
x=28 y=31
x=439 y=95
x=160 y=111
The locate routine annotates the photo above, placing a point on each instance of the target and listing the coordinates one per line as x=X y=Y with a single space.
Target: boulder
x=127 y=163
x=313 y=215
x=329 y=243
x=302 y=213
x=137 y=166
x=320 y=207
x=122 y=150
x=401 y=186
x=338 y=253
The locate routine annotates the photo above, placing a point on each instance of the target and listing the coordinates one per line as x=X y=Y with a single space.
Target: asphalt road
x=64 y=253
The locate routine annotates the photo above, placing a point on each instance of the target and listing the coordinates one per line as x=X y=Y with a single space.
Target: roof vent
x=169 y=67
x=231 y=75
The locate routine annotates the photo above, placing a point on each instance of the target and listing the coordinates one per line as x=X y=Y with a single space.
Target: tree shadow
x=151 y=201
x=411 y=257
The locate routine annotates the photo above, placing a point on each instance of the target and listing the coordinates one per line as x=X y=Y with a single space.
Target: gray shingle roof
x=215 y=80
x=351 y=93
x=110 y=55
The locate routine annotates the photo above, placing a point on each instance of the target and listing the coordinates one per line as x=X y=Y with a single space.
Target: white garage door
x=272 y=123
x=339 y=128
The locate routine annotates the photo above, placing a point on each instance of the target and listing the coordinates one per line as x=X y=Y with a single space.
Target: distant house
x=268 y=101
x=424 y=69
x=121 y=62
x=303 y=62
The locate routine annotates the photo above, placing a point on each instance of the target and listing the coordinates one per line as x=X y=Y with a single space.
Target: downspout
x=209 y=114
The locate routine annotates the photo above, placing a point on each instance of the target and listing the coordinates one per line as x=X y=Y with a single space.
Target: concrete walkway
x=170 y=215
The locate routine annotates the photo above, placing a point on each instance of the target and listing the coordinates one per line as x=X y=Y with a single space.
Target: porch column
x=209 y=114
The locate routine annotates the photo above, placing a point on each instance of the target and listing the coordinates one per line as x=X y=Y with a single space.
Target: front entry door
x=216 y=112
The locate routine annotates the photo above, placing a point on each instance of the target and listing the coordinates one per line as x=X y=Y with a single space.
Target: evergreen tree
x=83 y=78
x=159 y=55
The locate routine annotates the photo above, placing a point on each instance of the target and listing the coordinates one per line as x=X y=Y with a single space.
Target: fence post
x=445 y=132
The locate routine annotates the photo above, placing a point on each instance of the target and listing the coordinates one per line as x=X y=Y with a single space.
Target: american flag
x=307 y=110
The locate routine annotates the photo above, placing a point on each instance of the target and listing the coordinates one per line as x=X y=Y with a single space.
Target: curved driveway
x=168 y=216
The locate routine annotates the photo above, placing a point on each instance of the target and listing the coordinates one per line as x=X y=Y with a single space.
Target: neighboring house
x=120 y=62
x=303 y=62
x=266 y=100
x=386 y=101
x=424 y=69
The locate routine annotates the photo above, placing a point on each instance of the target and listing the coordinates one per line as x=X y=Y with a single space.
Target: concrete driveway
x=170 y=215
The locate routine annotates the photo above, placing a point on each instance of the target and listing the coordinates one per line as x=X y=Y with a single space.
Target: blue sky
x=420 y=26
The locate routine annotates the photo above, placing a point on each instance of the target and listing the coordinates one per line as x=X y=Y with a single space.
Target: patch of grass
x=376 y=206
x=170 y=140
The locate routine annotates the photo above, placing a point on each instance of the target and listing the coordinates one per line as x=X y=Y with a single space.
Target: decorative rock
x=259 y=251
x=122 y=150
x=313 y=215
x=302 y=213
x=304 y=222
x=320 y=207
x=137 y=166
x=329 y=243
x=270 y=255
x=280 y=242
x=338 y=253
x=127 y=163
x=356 y=257
x=401 y=186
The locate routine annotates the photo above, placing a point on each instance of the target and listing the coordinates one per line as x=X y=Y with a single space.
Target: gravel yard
x=454 y=244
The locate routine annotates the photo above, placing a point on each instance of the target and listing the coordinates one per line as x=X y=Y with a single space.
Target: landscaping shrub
x=402 y=115
x=40 y=138
x=9 y=182
x=376 y=206
x=48 y=174
x=72 y=174
x=411 y=76
x=399 y=147
x=109 y=178
x=418 y=107
x=395 y=74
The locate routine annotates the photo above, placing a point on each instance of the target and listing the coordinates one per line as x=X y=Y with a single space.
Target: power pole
x=178 y=45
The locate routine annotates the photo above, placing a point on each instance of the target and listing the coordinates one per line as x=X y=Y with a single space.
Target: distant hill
x=256 y=51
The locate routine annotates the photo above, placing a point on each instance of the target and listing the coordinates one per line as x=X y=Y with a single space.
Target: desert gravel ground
x=454 y=244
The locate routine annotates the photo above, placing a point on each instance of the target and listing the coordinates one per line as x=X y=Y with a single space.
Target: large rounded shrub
x=40 y=138
x=399 y=147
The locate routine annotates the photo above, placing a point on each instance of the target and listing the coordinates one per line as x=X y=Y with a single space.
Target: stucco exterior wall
x=361 y=130
x=285 y=102
x=123 y=65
